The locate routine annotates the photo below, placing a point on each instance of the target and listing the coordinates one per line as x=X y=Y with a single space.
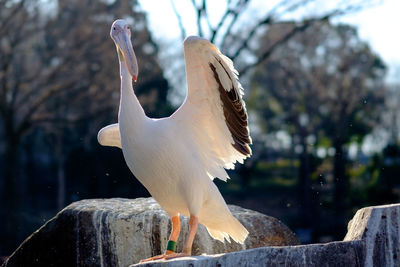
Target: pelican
x=176 y=158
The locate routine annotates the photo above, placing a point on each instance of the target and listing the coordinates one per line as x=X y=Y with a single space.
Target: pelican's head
x=121 y=34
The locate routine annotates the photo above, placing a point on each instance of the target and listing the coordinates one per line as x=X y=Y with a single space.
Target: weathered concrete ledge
x=331 y=254
x=120 y=232
x=373 y=239
x=378 y=230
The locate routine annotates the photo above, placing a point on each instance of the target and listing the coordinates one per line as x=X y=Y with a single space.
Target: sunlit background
x=322 y=87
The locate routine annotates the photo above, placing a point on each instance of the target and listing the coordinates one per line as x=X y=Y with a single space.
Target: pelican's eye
x=114 y=28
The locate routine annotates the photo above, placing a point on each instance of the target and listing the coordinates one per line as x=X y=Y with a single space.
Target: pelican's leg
x=193 y=222
x=187 y=249
x=176 y=229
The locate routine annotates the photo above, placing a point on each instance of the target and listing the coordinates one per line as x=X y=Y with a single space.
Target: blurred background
x=322 y=87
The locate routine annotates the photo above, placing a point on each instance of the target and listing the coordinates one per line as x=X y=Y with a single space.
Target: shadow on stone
x=120 y=232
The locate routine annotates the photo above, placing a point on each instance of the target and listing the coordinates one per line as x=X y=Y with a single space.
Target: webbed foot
x=165 y=257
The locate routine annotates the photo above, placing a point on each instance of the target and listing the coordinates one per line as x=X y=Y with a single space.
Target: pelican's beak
x=126 y=53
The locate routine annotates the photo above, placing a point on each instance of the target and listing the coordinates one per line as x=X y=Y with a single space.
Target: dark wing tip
x=234 y=112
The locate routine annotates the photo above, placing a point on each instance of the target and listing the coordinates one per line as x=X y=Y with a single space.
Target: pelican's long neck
x=130 y=110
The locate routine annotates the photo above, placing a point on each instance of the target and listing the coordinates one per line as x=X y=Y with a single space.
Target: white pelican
x=176 y=158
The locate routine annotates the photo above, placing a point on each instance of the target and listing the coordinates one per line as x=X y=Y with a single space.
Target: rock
x=330 y=254
x=373 y=239
x=119 y=232
x=378 y=228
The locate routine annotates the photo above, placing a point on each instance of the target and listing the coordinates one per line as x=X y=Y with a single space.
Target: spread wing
x=214 y=113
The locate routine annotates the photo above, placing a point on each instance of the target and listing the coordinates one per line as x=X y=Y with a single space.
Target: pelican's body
x=177 y=157
x=155 y=154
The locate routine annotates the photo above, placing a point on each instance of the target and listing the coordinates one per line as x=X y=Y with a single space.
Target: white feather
x=175 y=157
x=203 y=106
x=109 y=136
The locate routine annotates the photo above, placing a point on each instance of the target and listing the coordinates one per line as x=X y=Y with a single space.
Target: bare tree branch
x=235 y=12
x=301 y=27
x=205 y=15
x=215 y=31
x=268 y=19
x=199 y=12
x=7 y=20
x=179 y=18
x=263 y=56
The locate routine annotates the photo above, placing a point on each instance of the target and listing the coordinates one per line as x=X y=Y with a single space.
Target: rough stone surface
x=378 y=228
x=373 y=239
x=106 y=233
x=119 y=232
x=331 y=254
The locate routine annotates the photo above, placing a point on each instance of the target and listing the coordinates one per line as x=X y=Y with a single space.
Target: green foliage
x=324 y=87
x=376 y=183
x=325 y=81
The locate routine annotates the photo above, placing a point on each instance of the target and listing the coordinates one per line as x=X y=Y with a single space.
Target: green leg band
x=171 y=245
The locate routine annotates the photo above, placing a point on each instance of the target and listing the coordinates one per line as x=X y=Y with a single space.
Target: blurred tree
x=287 y=101
x=236 y=29
x=323 y=82
x=17 y=34
x=391 y=115
x=353 y=102
x=59 y=76
x=383 y=190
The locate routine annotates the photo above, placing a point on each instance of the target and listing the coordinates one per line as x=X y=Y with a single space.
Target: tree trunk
x=341 y=184
x=60 y=172
x=305 y=191
x=10 y=202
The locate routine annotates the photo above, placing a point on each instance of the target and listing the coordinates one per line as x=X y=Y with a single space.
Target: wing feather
x=110 y=136
x=213 y=114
